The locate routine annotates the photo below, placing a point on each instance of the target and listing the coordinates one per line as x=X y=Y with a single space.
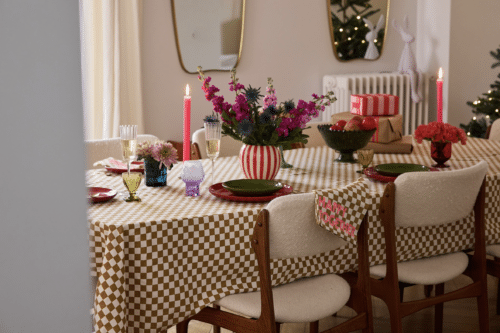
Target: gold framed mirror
x=358 y=28
x=208 y=33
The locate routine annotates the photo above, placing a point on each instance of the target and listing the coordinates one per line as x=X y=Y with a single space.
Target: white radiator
x=343 y=86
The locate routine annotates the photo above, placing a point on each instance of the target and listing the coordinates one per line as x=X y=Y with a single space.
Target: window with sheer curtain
x=111 y=66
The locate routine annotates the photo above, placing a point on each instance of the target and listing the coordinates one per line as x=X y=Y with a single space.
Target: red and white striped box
x=375 y=104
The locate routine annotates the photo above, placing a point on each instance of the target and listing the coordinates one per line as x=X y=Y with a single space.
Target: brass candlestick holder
x=132 y=181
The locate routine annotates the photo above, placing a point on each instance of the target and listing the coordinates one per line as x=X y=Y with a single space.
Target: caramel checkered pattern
x=161 y=260
x=342 y=210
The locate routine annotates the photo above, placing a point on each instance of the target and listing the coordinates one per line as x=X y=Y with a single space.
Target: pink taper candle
x=187 y=126
x=439 y=84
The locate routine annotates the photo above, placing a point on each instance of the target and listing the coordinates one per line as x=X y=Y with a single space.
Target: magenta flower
x=284 y=118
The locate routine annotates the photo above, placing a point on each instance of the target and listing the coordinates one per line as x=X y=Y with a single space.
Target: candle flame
x=187 y=89
x=440 y=74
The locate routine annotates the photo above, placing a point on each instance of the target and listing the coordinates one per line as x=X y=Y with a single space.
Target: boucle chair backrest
x=434 y=198
x=495 y=131
x=315 y=139
x=96 y=150
x=228 y=145
x=293 y=231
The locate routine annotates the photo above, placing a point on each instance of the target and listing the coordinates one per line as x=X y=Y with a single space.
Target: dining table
x=163 y=259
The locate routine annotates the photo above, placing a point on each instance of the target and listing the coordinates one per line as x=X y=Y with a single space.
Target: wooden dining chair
x=493 y=268
x=287 y=229
x=179 y=146
x=493 y=131
x=228 y=145
x=432 y=199
x=97 y=150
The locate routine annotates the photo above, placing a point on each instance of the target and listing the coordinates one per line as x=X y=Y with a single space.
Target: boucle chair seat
x=495 y=131
x=302 y=301
x=428 y=271
x=493 y=250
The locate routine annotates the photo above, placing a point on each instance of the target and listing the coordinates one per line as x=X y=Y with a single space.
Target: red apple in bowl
x=368 y=123
x=353 y=125
x=336 y=128
x=341 y=123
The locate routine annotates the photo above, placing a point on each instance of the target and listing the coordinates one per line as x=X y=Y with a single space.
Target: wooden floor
x=459 y=316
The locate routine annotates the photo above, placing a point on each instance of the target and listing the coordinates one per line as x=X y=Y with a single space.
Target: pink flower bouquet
x=271 y=124
x=159 y=151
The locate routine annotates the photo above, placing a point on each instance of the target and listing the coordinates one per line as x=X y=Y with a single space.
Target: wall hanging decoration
x=407 y=64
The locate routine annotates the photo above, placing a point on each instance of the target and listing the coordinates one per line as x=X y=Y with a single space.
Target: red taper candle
x=439 y=84
x=186 y=142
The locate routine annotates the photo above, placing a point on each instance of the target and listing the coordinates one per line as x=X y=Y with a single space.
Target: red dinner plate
x=371 y=173
x=100 y=194
x=136 y=166
x=221 y=192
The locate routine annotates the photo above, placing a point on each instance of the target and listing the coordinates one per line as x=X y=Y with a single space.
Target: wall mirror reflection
x=208 y=33
x=358 y=28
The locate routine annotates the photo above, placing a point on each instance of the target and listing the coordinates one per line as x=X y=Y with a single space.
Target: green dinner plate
x=252 y=187
x=396 y=169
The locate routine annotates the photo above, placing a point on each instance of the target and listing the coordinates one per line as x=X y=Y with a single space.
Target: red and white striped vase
x=260 y=162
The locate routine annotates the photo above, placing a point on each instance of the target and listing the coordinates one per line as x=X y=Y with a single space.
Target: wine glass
x=128 y=135
x=212 y=139
x=132 y=180
x=365 y=157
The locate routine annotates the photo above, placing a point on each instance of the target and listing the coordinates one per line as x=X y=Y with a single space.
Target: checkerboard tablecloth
x=163 y=259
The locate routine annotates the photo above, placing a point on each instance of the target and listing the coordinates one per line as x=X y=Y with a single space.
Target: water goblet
x=212 y=139
x=128 y=135
x=365 y=158
x=132 y=180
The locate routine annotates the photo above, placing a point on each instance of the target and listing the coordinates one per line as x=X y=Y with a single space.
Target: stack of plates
x=250 y=190
x=389 y=172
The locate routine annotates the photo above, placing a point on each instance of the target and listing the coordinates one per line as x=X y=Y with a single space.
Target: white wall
x=43 y=229
x=433 y=47
x=287 y=40
x=475 y=27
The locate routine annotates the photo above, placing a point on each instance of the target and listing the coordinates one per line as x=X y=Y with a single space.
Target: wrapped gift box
x=389 y=128
x=374 y=105
x=403 y=146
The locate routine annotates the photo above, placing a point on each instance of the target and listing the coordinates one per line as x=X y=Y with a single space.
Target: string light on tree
x=485 y=107
x=349 y=30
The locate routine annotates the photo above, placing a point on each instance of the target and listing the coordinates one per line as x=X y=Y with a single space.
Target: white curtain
x=111 y=66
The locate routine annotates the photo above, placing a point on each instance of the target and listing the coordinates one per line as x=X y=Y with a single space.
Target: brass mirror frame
x=243 y=4
x=332 y=37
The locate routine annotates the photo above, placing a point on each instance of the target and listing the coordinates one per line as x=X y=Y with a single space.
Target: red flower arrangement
x=440 y=132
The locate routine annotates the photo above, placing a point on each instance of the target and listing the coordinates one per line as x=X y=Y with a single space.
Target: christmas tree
x=488 y=105
x=349 y=29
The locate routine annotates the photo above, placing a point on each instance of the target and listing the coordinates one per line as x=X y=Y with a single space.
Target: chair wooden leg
x=314 y=327
x=438 y=310
x=428 y=290
x=498 y=298
x=278 y=327
x=216 y=328
x=182 y=327
x=402 y=287
x=482 y=307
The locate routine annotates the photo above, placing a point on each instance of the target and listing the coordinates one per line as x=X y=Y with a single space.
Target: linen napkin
x=342 y=210
x=110 y=162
